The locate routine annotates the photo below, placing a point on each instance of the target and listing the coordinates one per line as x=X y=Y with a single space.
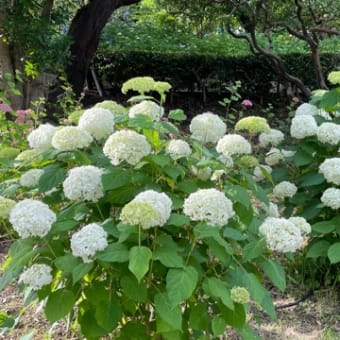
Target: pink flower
x=5 y=107
x=247 y=102
x=23 y=116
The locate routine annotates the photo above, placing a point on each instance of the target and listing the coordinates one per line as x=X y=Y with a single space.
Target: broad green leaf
x=133 y=330
x=187 y=186
x=115 y=178
x=235 y=318
x=153 y=137
x=114 y=252
x=166 y=252
x=199 y=317
x=108 y=312
x=233 y=234
x=178 y=220
x=123 y=194
x=302 y=158
x=253 y=250
x=6 y=321
x=180 y=284
x=161 y=160
x=176 y=114
x=76 y=211
x=20 y=253
x=139 y=258
x=81 y=270
x=324 y=227
x=169 y=313
x=53 y=175
x=62 y=226
x=318 y=249
x=171 y=128
x=132 y=289
x=238 y=194
x=218 y=325
x=67 y=263
x=89 y=325
x=310 y=179
x=59 y=304
x=141 y=121
x=334 y=253
x=276 y=273
x=217 y=288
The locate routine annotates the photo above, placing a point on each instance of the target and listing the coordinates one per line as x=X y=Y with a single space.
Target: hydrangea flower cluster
x=210 y=206
x=30 y=178
x=32 y=218
x=84 y=183
x=273 y=137
x=273 y=157
x=306 y=109
x=147 y=108
x=88 y=240
x=284 y=189
x=328 y=133
x=178 y=148
x=253 y=124
x=126 y=145
x=301 y=223
x=281 y=235
x=331 y=198
x=207 y=127
x=148 y=209
x=28 y=156
x=232 y=144
x=239 y=295
x=271 y=210
x=330 y=168
x=249 y=161
x=111 y=105
x=259 y=172
x=303 y=126
x=37 y=276
x=41 y=138
x=6 y=206
x=97 y=122
x=70 y=138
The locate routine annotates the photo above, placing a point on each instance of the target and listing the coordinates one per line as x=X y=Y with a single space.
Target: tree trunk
x=85 y=31
x=320 y=78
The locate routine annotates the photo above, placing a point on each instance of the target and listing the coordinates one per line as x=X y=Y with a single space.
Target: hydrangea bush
x=138 y=230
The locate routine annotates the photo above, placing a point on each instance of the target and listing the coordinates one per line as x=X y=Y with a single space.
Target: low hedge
x=193 y=72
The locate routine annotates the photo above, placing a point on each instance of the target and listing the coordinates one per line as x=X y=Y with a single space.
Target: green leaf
x=63 y=226
x=171 y=128
x=233 y=234
x=324 y=227
x=76 y=211
x=115 y=178
x=276 y=273
x=108 y=312
x=180 y=284
x=132 y=289
x=334 y=253
x=178 y=220
x=20 y=253
x=67 y=263
x=235 y=318
x=141 y=121
x=161 y=160
x=169 y=313
x=318 y=249
x=217 y=288
x=53 y=175
x=59 y=304
x=6 y=321
x=176 y=114
x=114 y=252
x=188 y=186
x=123 y=194
x=310 y=179
x=139 y=258
x=199 y=317
x=253 y=250
x=302 y=158
x=90 y=327
x=133 y=330
x=238 y=194
x=81 y=270
x=166 y=252
x=218 y=325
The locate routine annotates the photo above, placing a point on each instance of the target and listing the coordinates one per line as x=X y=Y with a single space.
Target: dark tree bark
x=85 y=31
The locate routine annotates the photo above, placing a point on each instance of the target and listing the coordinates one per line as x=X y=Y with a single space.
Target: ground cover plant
x=128 y=226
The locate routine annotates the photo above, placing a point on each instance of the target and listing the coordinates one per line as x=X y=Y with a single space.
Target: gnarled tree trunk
x=85 y=31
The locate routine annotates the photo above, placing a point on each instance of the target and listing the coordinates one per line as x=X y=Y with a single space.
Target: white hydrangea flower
x=209 y=205
x=226 y=160
x=271 y=210
x=98 y=122
x=30 y=178
x=306 y=109
x=328 y=133
x=37 y=276
x=201 y=173
x=41 y=138
x=84 y=183
x=28 y=156
x=258 y=174
x=239 y=295
x=274 y=137
x=330 y=168
x=88 y=240
x=284 y=189
x=148 y=209
x=232 y=144
x=273 y=157
x=147 y=108
x=207 y=127
x=126 y=145
x=300 y=222
x=281 y=235
x=303 y=126
x=178 y=148
x=287 y=153
x=331 y=198
x=217 y=175
x=32 y=218
x=6 y=206
x=70 y=138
